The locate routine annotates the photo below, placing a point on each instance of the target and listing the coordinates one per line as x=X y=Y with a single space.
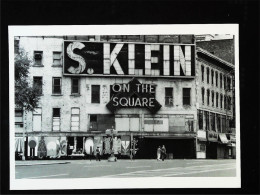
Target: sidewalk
x=40 y=162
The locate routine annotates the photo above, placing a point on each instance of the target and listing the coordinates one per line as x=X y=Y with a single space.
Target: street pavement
x=48 y=169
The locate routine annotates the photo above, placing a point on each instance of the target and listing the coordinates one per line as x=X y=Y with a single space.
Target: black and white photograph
x=135 y=106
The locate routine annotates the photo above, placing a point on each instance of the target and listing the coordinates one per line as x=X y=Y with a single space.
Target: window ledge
x=58 y=66
x=57 y=94
x=75 y=95
x=37 y=65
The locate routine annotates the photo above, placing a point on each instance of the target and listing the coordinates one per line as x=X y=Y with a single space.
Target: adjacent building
x=124 y=94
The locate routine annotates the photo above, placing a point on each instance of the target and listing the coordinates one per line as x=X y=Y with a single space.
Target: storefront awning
x=223 y=138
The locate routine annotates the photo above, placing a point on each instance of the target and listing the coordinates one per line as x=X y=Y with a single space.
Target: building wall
x=66 y=100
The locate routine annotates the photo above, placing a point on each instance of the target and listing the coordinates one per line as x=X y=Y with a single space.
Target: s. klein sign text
x=128 y=59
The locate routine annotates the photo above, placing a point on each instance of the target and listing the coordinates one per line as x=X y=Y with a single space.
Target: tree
x=26 y=96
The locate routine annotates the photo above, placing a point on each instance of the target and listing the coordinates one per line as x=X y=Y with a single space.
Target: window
x=75 y=119
x=186 y=96
x=93 y=122
x=221 y=101
x=200 y=117
x=95 y=94
x=218 y=123
x=168 y=96
x=202 y=94
x=208 y=95
x=207 y=119
x=228 y=83
x=202 y=73
x=228 y=102
x=202 y=148
x=37 y=83
x=220 y=78
x=56 y=85
x=18 y=118
x=38 y=58
x=56 y=119
x=216 y=79
x=224 y=79
x=225 y=102
x=212 y=116
x=208 y=75
x=212 y=98
x=75 y=85
x=212 y=77
x=37 y=119
x=56 y=58
x=216 y=99
x=223 y=124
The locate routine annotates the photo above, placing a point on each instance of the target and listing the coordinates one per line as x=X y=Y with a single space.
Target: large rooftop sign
x=128 y=59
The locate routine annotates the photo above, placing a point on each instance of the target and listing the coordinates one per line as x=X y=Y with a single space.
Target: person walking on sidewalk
x=163 y=153
x=97 y=154
x=159 y=153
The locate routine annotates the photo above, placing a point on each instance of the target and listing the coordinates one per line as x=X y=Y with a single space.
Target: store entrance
x=176 y=148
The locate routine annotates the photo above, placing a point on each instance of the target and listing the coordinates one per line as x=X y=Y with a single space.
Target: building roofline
x=230 y=65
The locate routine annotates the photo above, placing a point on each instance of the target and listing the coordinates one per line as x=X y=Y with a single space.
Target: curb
x=42 y=164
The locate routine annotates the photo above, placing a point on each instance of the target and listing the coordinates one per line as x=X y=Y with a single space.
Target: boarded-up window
x=56 y=119
x=56 y=58
x=75 y=118
x=37 y=119
x=134 y=124
x=186 y=96
x=168 y=96
x=122 y=124
x=95 y=94
x=37 y=83
x=56 y=85
x=18 y=118
x=75 y=85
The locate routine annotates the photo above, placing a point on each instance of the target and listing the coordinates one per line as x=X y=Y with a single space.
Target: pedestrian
x=163 y=153
x=97 y=154
x=159 y=153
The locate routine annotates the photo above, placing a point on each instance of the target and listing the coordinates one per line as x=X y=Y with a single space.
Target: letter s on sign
x=78 y=58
